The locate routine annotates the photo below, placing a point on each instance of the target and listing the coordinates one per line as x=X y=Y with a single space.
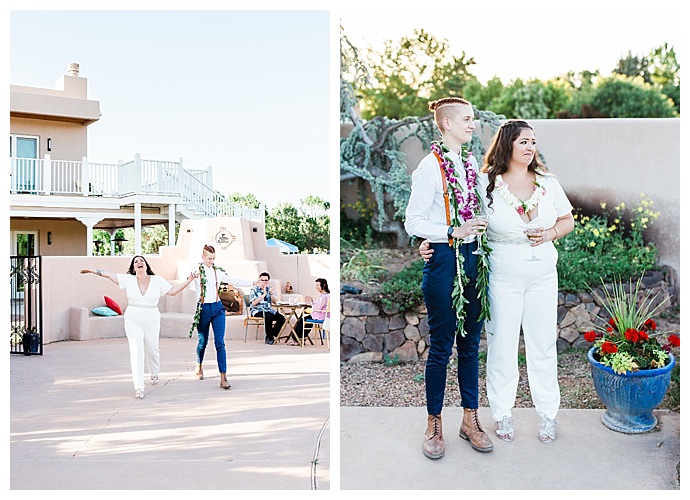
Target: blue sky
x=244 y=91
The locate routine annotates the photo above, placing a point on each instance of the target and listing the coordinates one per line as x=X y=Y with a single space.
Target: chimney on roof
x=73 y=69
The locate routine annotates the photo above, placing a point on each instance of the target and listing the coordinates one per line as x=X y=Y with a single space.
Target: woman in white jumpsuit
x=142 y=318
x=523 y=282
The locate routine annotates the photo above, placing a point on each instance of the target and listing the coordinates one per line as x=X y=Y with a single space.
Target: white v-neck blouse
x=157 y=286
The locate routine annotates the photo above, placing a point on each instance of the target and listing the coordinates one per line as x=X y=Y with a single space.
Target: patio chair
x=250 y=320
x=318 y=325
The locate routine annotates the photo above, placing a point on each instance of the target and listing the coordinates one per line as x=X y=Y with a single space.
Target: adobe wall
x=64 y=287
x=604 y=160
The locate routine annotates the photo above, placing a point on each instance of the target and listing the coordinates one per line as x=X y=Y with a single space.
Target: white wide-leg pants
x=142 y=327
x=522 y=293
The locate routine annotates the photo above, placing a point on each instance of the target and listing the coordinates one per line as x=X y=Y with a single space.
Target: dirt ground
x=376 y=384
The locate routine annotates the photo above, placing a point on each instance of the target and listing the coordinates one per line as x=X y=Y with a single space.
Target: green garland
x=202 y=280
x=464 y=206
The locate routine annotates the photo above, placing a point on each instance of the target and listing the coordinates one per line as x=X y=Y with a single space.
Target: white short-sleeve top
x=157 y=286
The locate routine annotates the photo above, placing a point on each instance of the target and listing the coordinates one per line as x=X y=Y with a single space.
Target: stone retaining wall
x=369 y=331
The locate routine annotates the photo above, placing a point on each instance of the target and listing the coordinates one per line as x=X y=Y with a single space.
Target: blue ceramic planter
x=630 y=398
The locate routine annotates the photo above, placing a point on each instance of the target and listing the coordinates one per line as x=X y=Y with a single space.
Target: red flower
x=632 y=335
x=650 y=324
x=609 y=348
x=643 y=336
x=674 y=340
x=590 y=336
x=609 y=329
x=612 y=322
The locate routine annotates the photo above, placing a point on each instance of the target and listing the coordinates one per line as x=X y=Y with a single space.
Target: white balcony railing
x=45 y=176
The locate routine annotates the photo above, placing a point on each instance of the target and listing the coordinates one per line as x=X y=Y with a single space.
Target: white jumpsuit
x=523 y=293
x=143 y=324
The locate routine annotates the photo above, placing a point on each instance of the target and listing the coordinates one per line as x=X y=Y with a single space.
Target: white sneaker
x=139 y=394
x=547 y=429
x=504 y=429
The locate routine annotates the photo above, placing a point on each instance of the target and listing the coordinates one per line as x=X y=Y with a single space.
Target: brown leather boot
x=471 y=430
x=433 y=438
x=199 y=372
x=224 y=381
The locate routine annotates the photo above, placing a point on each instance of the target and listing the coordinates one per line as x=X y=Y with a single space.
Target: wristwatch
x=450 y=232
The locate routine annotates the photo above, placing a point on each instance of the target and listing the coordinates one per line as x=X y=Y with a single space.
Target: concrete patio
x=75 y=424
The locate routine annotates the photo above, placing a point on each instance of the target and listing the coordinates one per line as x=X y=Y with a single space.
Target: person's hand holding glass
x=482 y=221
x=535 y=235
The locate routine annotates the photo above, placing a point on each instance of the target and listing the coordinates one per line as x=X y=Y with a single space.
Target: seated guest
x=260 y=301
x=318 y=311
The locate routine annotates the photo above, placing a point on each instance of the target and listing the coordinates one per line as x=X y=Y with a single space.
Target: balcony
x=153 y=178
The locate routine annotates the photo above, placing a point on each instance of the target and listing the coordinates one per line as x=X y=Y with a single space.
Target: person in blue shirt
x=261 y=299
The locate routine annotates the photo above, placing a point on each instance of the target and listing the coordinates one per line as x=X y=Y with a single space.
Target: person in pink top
x=318 y=308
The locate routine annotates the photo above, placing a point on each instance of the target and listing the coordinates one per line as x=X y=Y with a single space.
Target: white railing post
x=171 y=225
x=85 y=178
x=209 y=177
x=137 y=181
x=180 y=178
x=137 y=228
x=47 y=174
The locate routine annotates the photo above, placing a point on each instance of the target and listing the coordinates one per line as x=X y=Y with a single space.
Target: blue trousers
x=212 y=315
x=437 y=286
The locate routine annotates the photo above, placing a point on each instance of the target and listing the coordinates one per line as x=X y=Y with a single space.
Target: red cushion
x=112 y=304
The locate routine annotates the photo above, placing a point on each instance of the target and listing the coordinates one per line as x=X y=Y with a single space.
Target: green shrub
x=360 y=264
x=606 y=247
x=403 y=291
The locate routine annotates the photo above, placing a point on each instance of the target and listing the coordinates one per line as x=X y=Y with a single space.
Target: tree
x=534 y=99
x=372 y=152
x=660 y=68
x=665 y=72
x=408 y=73
x=633 y=66
x=246 y=200
x=623 y=97
x=483 y=96
x=306 y=226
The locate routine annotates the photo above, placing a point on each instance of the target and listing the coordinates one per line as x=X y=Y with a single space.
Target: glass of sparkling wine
x=485 y=221
x=532 y=233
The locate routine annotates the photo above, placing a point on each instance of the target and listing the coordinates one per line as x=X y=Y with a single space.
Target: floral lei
x=464 y=208
x=202 y=279
x=522 y=207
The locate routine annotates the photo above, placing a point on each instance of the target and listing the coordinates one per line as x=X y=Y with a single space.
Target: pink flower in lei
x=465 y=204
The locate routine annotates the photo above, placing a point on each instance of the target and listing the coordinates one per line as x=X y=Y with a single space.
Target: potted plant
x=631 y=365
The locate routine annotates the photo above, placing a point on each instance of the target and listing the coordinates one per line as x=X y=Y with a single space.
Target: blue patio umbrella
x=284 y=246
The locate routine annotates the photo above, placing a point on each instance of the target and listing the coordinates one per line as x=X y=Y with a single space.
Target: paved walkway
x=585 y=456
x=75 y=424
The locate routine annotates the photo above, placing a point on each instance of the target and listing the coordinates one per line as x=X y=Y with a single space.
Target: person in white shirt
x=210 y=313
x=449 y=223
x=142 y=318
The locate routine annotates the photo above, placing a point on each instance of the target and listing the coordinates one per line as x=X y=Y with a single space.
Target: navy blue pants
x=212 y=316
x=437 y=285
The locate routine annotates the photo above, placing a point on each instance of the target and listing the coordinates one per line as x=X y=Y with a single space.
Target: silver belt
x=508 y=241
x=155 y=306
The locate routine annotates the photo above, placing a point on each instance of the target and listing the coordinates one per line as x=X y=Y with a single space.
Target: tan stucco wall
x=604 y=160
x=69 y=140
x=63 y=287
x=67 y=236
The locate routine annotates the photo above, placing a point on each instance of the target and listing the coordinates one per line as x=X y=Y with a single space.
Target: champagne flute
x=532 y=234
x=485 y=221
